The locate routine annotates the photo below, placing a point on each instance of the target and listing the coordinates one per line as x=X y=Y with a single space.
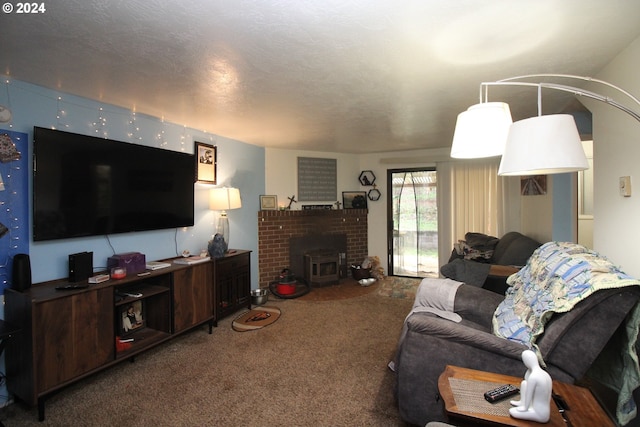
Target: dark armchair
x=487 y=261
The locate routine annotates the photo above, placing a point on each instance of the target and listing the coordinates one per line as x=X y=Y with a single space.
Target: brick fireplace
x=277 y=228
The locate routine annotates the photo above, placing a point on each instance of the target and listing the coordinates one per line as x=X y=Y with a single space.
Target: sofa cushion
x=514 y=249
x=476 y=304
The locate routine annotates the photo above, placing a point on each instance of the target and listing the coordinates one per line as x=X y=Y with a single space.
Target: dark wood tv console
x=67 y=335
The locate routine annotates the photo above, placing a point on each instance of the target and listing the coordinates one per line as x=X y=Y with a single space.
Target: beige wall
x=616 y=146
x=281 y=174
x=537 y=214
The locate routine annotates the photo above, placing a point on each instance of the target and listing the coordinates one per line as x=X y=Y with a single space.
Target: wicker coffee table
x=462 y=391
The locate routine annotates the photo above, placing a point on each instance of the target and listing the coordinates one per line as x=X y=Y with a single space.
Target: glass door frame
x=390 y=231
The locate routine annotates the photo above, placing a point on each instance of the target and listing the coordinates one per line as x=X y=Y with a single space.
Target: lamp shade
x=543 y=145
x=481 y=131
x=222 y=199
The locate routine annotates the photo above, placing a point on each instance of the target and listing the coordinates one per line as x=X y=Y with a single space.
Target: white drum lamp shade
x=481 y=131
x=543 y=145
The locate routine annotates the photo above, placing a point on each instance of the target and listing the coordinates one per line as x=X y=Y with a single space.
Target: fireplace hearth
x=276 y=228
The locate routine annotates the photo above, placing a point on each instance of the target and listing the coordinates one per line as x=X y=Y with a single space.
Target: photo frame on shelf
x=206 y=163
x=268 y=203
x=131 y=317
x=354 y=200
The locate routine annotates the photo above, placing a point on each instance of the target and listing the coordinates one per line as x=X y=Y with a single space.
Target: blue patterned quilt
x=558 y=276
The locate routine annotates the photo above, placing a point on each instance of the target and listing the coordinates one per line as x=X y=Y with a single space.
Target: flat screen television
x=89 y=186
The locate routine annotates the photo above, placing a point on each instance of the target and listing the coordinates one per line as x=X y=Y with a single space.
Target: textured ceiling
x=331 y=75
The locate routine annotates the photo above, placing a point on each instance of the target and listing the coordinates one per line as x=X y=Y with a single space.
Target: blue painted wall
x=240 y=165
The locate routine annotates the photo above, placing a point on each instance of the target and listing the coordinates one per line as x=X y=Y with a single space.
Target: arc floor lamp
x=545 y=144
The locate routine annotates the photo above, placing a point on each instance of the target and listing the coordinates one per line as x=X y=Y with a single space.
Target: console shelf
x=144 y=289
x=155 y=301
x=68 y=335
x=143 y=340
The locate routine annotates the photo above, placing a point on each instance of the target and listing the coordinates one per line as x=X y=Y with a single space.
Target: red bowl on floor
x=286 y=288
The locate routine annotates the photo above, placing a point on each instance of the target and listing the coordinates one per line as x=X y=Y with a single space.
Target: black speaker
x=21 y=272
x=80 y=266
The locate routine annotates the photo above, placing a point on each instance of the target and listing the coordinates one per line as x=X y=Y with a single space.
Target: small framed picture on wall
x=535 y=185
x=206 y=163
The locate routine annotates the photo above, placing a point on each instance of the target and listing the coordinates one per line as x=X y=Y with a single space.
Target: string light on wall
x=13 y=224
x=183 y=138
x=134 y=132
x=10 y=205
x=100 y=124
x=162 y=142
x=60 y=115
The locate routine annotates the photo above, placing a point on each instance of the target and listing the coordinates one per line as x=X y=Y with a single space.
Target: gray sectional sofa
x=569 y=345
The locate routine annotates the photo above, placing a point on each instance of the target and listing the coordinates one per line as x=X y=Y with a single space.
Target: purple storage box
x=134 y=262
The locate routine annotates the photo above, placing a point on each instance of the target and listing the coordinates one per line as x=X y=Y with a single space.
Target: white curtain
x=471 y=197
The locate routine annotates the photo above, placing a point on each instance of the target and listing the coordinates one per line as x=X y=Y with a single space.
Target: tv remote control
x=70 y=287
x=500 y=393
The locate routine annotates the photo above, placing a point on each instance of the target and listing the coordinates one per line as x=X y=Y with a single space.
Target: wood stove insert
x=321 y=268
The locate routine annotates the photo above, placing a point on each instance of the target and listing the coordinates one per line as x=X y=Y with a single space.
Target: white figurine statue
x=535 y=392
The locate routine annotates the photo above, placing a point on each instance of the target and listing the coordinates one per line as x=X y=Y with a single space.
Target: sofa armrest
x=464 y=333
x=430 y=344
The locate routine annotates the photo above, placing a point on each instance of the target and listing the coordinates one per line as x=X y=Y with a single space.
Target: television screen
x=89 y=186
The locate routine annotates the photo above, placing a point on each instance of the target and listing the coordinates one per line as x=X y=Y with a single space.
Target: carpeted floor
x=347 y=288
x=323 y=363
x=399 y=287
x=391 y=286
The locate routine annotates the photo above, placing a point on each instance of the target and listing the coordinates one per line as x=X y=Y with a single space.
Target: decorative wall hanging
x=8 y=150
x=535 y=185
x=206 y=163
x=374 y=194
x=292 y=200
x=317 y=179
x=367 y=178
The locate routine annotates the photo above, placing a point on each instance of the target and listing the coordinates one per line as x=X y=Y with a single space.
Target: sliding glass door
x=413 y=222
